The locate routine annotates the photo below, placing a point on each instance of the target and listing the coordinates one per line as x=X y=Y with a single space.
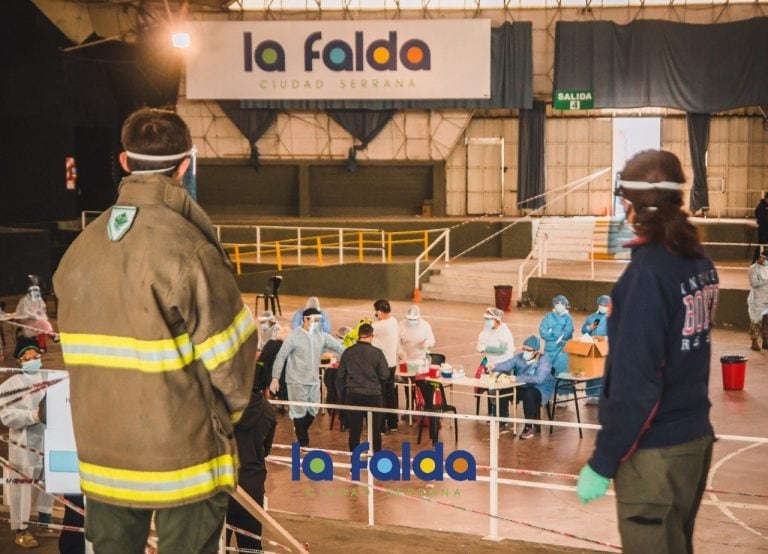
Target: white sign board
x=339 y=60
x=61 y=473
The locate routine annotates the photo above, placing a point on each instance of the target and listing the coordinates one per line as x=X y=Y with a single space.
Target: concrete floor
x=539 y=509
x=737 y=521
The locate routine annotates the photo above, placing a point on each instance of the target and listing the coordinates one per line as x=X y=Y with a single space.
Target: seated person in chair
x=533 y=368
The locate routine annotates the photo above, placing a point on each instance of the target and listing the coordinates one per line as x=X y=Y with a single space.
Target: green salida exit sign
x=573 y=100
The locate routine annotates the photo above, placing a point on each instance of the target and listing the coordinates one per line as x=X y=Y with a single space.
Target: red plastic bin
x=734 y=372
x=503 y=297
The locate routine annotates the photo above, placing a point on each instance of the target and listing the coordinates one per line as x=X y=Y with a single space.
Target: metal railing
x=537 y=253
x=445 y=238
x=300 y=241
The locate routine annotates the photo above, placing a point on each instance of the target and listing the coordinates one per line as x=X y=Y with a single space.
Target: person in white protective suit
x=32 y=313
x=416 y=336
x=757 y=301
x=268 y=328
x=23 y=419
x=495 y=340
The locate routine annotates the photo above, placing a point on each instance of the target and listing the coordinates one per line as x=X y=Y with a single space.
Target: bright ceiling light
x=180 y=40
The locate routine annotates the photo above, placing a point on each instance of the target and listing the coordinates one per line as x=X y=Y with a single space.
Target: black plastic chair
x=271 y=295
x=425 y=393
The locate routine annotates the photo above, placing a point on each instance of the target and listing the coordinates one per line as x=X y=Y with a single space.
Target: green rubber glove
x=591 y=485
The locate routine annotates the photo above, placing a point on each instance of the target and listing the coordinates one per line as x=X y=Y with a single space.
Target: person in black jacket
x=254 y=433
x=656 y=436
x=364 y=369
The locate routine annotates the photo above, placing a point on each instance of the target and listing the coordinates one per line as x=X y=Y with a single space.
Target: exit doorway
x=630 y=136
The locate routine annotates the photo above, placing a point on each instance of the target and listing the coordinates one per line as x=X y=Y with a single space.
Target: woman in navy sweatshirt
x=656 y=437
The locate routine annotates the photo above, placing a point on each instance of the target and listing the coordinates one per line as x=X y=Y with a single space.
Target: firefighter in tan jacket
x=160 y=349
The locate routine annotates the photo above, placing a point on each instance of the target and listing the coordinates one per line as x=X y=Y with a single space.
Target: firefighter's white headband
x=643 y=185
x=162 y=158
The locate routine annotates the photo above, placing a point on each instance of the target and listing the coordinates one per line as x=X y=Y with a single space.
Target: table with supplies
x=460 y=381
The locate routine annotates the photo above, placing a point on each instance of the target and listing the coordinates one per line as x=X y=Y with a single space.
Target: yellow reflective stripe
x=150 y=356
x=223 y=346
x=158 y=486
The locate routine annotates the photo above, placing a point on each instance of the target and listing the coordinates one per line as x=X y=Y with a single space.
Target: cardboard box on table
x=587 y=358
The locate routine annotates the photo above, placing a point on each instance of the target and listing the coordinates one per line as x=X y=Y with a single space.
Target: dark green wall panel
x=375 y=190
x=237 y=189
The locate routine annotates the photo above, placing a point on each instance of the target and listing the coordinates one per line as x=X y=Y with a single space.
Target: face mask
x=602 y=309
x=527 y=355
x=265 y=328
x=312 y=327
x=560 y=309
x=32 y=365
x=35 y=295
x=413 y=322
x=489 y=324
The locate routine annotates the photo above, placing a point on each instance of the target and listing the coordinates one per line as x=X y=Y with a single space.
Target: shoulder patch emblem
x=120 y=221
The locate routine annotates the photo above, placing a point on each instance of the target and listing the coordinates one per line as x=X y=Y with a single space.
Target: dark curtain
x=511 y=81
x=252 y=122
x=364 y=125
x=698 y=140
x=696 y=68
x=530 y=155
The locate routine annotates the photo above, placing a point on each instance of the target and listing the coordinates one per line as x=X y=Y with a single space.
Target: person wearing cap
x=533 y=368
x=656 y=436
x=300 y=354
x=416 y=340
x=387 y=338
x=496 y=342
x=32 y=312
x=26 y=423
x=757 y=301
x=596 y=325
x=556 y=329
x=312 y=302
x=363 y=369
x=160 y=349
x=268 y=327
x=416 y=336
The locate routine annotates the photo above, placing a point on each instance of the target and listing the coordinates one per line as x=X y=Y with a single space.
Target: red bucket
x=434 y=372
x=734 y=371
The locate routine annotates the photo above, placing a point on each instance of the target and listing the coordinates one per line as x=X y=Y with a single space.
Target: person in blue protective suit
x=596 y=325
x=312 y=302
x=300 y=354
x=656 y=436
x=533 y=368
x=556 y=329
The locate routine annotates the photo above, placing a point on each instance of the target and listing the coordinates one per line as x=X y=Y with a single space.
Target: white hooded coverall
x=25 y=428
